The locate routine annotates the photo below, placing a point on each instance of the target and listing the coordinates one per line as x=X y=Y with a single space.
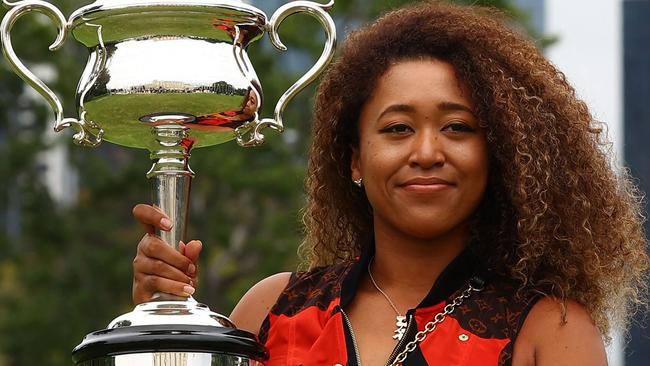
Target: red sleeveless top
x=307 y=325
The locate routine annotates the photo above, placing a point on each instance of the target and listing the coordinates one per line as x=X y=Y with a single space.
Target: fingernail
x=191 y=269
x=189 y=290
x=165 y=223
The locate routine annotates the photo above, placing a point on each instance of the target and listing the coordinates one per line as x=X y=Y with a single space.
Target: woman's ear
x=355 y=167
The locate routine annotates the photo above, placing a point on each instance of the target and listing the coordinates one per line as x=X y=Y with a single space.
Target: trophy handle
x=18 y=9
x=318 y=11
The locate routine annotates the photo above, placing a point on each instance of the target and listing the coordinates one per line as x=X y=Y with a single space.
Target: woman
x=461 y=210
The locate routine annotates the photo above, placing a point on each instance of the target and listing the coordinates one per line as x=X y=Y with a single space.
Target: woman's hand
x=157 y=267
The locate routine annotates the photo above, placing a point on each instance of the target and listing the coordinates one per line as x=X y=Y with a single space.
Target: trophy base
x=169 y=345
x=170 y=333
x=171 y=359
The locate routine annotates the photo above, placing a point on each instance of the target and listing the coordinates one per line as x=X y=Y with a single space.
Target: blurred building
x=636 y=104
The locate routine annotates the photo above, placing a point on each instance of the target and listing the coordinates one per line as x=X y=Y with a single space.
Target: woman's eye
x=458 y=127
x=396 y=128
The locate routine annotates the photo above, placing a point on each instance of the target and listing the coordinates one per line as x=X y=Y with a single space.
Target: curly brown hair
x=557 y=217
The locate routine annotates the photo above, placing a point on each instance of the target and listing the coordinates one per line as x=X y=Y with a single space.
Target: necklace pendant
x=400 y=323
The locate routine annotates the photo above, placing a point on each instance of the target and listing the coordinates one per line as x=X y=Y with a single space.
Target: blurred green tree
x=65 y=269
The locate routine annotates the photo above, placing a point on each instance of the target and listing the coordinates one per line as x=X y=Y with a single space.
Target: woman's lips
x=426 y=184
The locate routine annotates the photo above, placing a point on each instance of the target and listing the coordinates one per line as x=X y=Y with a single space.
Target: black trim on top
x=353 y=277
x=454 y=277
x=451 y=279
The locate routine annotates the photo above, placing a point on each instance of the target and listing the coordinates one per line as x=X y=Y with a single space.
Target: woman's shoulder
x=559 y=333
x=253 y=307
x=543 y=330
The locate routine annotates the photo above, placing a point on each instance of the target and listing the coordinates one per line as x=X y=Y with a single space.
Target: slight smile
x=425 y=184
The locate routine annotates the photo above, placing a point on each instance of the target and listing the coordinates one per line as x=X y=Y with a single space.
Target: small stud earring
x=358 y=182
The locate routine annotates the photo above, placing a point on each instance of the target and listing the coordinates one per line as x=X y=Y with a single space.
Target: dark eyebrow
x=445 y=106
x=397 y=108
x=451 y=106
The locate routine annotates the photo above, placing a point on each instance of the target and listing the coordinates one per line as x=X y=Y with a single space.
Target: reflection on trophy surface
x=168 y=76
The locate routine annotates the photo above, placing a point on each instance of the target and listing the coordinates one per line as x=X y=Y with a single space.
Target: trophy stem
x=171 y=193
x=171 y=178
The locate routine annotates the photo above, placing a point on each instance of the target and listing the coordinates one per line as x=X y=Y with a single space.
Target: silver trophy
x=168 y=76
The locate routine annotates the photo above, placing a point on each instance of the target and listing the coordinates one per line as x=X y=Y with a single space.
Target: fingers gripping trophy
x=168 y=76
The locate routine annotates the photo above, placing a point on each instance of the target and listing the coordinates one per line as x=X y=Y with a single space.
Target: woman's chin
x=428 y=230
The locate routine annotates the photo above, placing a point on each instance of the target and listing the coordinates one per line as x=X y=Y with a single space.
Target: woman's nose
x=427 y=150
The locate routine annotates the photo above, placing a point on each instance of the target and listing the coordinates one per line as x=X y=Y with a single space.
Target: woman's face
x=422 y=154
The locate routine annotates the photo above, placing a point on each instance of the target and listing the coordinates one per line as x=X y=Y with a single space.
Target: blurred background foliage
x=65 y=266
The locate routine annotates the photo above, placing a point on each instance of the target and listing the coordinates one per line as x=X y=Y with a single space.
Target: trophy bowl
x=168 y=76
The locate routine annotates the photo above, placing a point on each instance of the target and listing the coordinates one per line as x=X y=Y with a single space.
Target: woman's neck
x=408 y=267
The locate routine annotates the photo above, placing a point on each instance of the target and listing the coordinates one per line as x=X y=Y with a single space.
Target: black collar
x=453 y=277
